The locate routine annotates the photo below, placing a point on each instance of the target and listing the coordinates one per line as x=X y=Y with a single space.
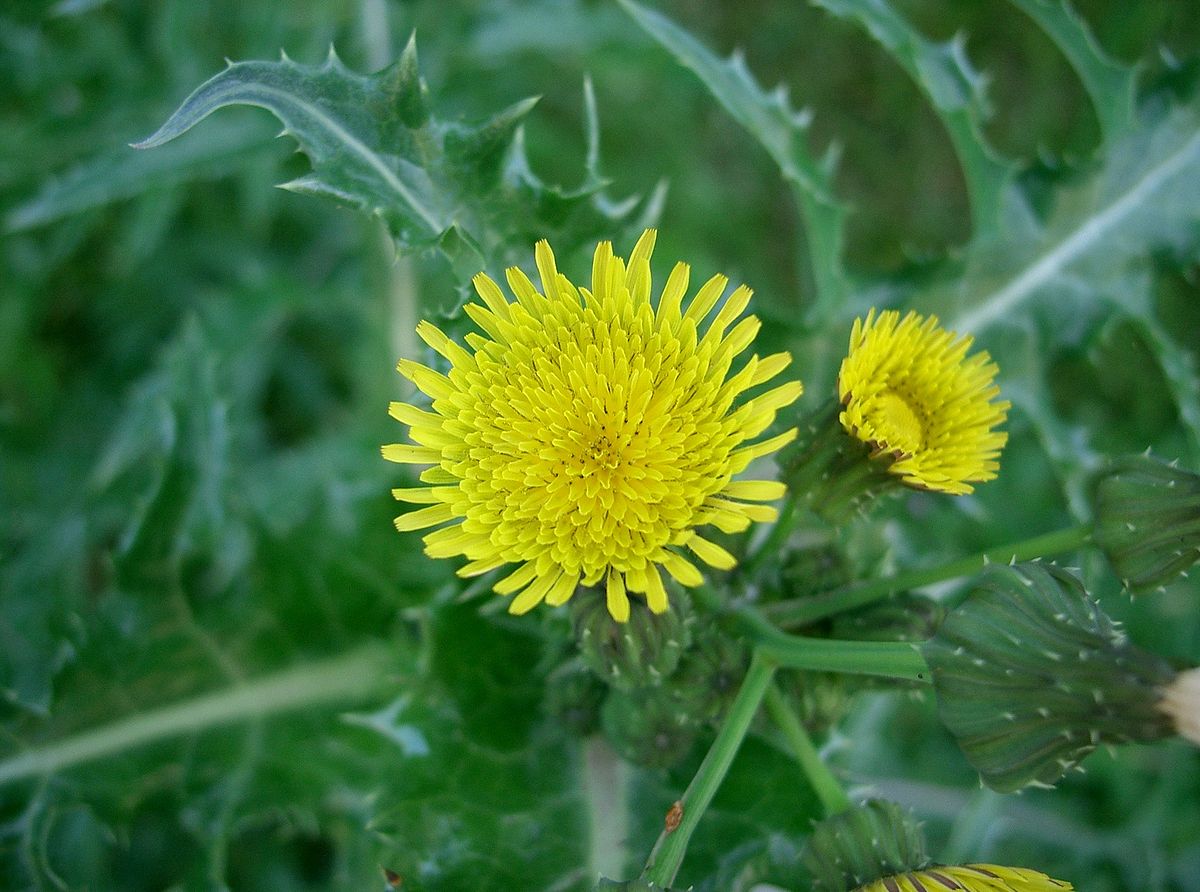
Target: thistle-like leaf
x=955 y=90
x=376 y=143
x=350 y=126
x=783 y=132
x=1109 y=85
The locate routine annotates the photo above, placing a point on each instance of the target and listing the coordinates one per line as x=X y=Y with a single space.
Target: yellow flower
x=970 y=878
x=585 y=435
x=909 y=391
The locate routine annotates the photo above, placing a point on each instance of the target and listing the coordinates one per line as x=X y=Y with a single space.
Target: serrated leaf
x=376 y=144
x=783 y=132
x=1109 y=85
x=341 y=121
x=955 y=90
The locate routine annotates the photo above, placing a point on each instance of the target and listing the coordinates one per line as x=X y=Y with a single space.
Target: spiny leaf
x=359 y=155
x=956 y=91
x=780 y=130
x=1110 y=85
x=376 y=144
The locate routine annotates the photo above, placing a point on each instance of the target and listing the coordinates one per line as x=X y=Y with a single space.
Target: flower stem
x=668 y=852
x=804 y=611
x=831 y=793
x=890 y=659
x=342 y=680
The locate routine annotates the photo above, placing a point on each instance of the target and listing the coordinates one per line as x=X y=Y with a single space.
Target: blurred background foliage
x=194 y=373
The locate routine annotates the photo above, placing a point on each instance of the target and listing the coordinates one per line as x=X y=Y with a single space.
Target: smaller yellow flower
x=910 y=392
x=969 y=878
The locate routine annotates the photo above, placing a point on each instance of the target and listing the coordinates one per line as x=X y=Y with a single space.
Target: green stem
x=668 y=852
x=805 y=611
x=342 y=679
x=889 y=659
x=827 y=787
x=788 y=515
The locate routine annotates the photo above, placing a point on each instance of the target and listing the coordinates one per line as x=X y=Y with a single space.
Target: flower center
x=899 y=426
x=603 y=453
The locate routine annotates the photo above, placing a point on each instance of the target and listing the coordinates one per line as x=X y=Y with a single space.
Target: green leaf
x=1143 y=197
x=783 y=132
x=955 y=90
x=1109 y=85
x=361 y=154
x=376 y=143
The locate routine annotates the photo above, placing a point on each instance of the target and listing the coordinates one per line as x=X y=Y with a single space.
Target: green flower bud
x=820 y=698
x=810 y=571
x=906 y=617
x=1031 y=676
x=863 y=844
x=1148 y=521
x=711 y=672
x=633 y=654
x=830 y=469
x=654 y=727
x=574 y=696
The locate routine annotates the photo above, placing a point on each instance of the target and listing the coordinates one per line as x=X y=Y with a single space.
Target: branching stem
x=805 y=611
x=827 y=787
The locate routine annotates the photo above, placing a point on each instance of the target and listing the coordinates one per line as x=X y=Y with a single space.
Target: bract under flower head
x=911 y=393
x=585 y=435
x=969 y=878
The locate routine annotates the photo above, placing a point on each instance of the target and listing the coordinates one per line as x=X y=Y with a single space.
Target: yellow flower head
x=585 y=434
x=911 y=393
x=970 y=878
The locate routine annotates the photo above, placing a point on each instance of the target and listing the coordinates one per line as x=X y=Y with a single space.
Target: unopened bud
x=1148 y=521
x=863 y=844
x=1031 y=676
x=634 y=654
x=574 y=696
x=811 y=571
x=711 y=672
x=653 y=727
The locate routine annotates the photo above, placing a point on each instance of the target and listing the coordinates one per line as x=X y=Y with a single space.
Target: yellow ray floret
x=586 y=433
x=911 y=393
x=968 y=878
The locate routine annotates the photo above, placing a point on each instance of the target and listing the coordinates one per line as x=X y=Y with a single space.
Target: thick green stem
x=344 y=680
x=827 y=787
x=804 y=611
x=889 y=659
x=668 y=852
